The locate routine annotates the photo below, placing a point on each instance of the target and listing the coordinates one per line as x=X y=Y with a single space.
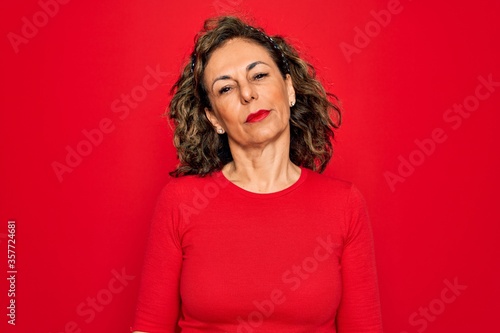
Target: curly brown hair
x=201 y=150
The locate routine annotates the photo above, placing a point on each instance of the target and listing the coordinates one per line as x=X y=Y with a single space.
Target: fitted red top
x=222 y=259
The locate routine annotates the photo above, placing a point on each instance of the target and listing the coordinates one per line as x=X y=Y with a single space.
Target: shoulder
x=184 y=187
x=328 y=183
x=339 y=191
x=322 y=178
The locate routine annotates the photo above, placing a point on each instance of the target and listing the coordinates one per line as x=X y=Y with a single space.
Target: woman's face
x=250 y=99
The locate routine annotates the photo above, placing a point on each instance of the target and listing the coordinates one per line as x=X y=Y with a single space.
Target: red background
x=441 y=223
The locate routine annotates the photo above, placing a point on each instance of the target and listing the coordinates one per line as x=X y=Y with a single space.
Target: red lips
x=257 y=116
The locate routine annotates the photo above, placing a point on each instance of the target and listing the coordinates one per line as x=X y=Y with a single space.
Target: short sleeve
x=359 y=310
x=158 y=304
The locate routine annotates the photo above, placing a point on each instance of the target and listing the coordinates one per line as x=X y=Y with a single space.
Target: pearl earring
x=220 y=131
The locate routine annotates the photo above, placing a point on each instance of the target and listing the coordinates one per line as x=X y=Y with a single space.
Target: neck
x=262 y=170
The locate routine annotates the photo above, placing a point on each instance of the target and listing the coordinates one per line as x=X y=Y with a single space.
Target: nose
x=247 y=92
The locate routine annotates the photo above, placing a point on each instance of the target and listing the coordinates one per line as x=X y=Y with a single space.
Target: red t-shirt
x=222 y=259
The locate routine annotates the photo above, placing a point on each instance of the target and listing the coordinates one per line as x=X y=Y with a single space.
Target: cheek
x=227 y=111
x=279 y=93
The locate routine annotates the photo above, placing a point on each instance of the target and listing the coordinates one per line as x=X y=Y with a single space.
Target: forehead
x=236 y=54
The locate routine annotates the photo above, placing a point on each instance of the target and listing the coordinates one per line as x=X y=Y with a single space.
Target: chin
x=267 y=136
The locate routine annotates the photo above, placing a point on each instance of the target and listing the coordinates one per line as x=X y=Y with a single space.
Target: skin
x=242 y=78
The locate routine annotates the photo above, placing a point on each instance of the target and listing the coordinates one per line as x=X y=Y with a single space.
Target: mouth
x=257 y=116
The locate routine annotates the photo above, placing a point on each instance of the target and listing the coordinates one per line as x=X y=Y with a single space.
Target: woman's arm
x=359 y=310
x=158 y=304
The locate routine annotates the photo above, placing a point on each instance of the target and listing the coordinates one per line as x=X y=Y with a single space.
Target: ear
x=212 y=118
x=289 y=88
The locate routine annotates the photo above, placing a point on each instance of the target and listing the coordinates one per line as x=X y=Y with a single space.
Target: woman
x=248 y=237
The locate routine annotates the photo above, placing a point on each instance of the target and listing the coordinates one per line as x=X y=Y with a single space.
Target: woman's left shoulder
x=328 y=181
x=338 y=189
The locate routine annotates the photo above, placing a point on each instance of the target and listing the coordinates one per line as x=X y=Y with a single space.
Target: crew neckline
x=239 y=190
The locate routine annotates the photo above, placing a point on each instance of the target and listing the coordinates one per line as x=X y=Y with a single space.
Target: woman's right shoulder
x=179 y=188
x=179 y=185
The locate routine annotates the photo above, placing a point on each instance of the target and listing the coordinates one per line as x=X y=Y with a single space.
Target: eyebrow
x=248 y=68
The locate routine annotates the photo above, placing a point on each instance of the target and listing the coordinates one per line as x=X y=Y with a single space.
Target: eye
x=224 y=90
x=260 y=76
